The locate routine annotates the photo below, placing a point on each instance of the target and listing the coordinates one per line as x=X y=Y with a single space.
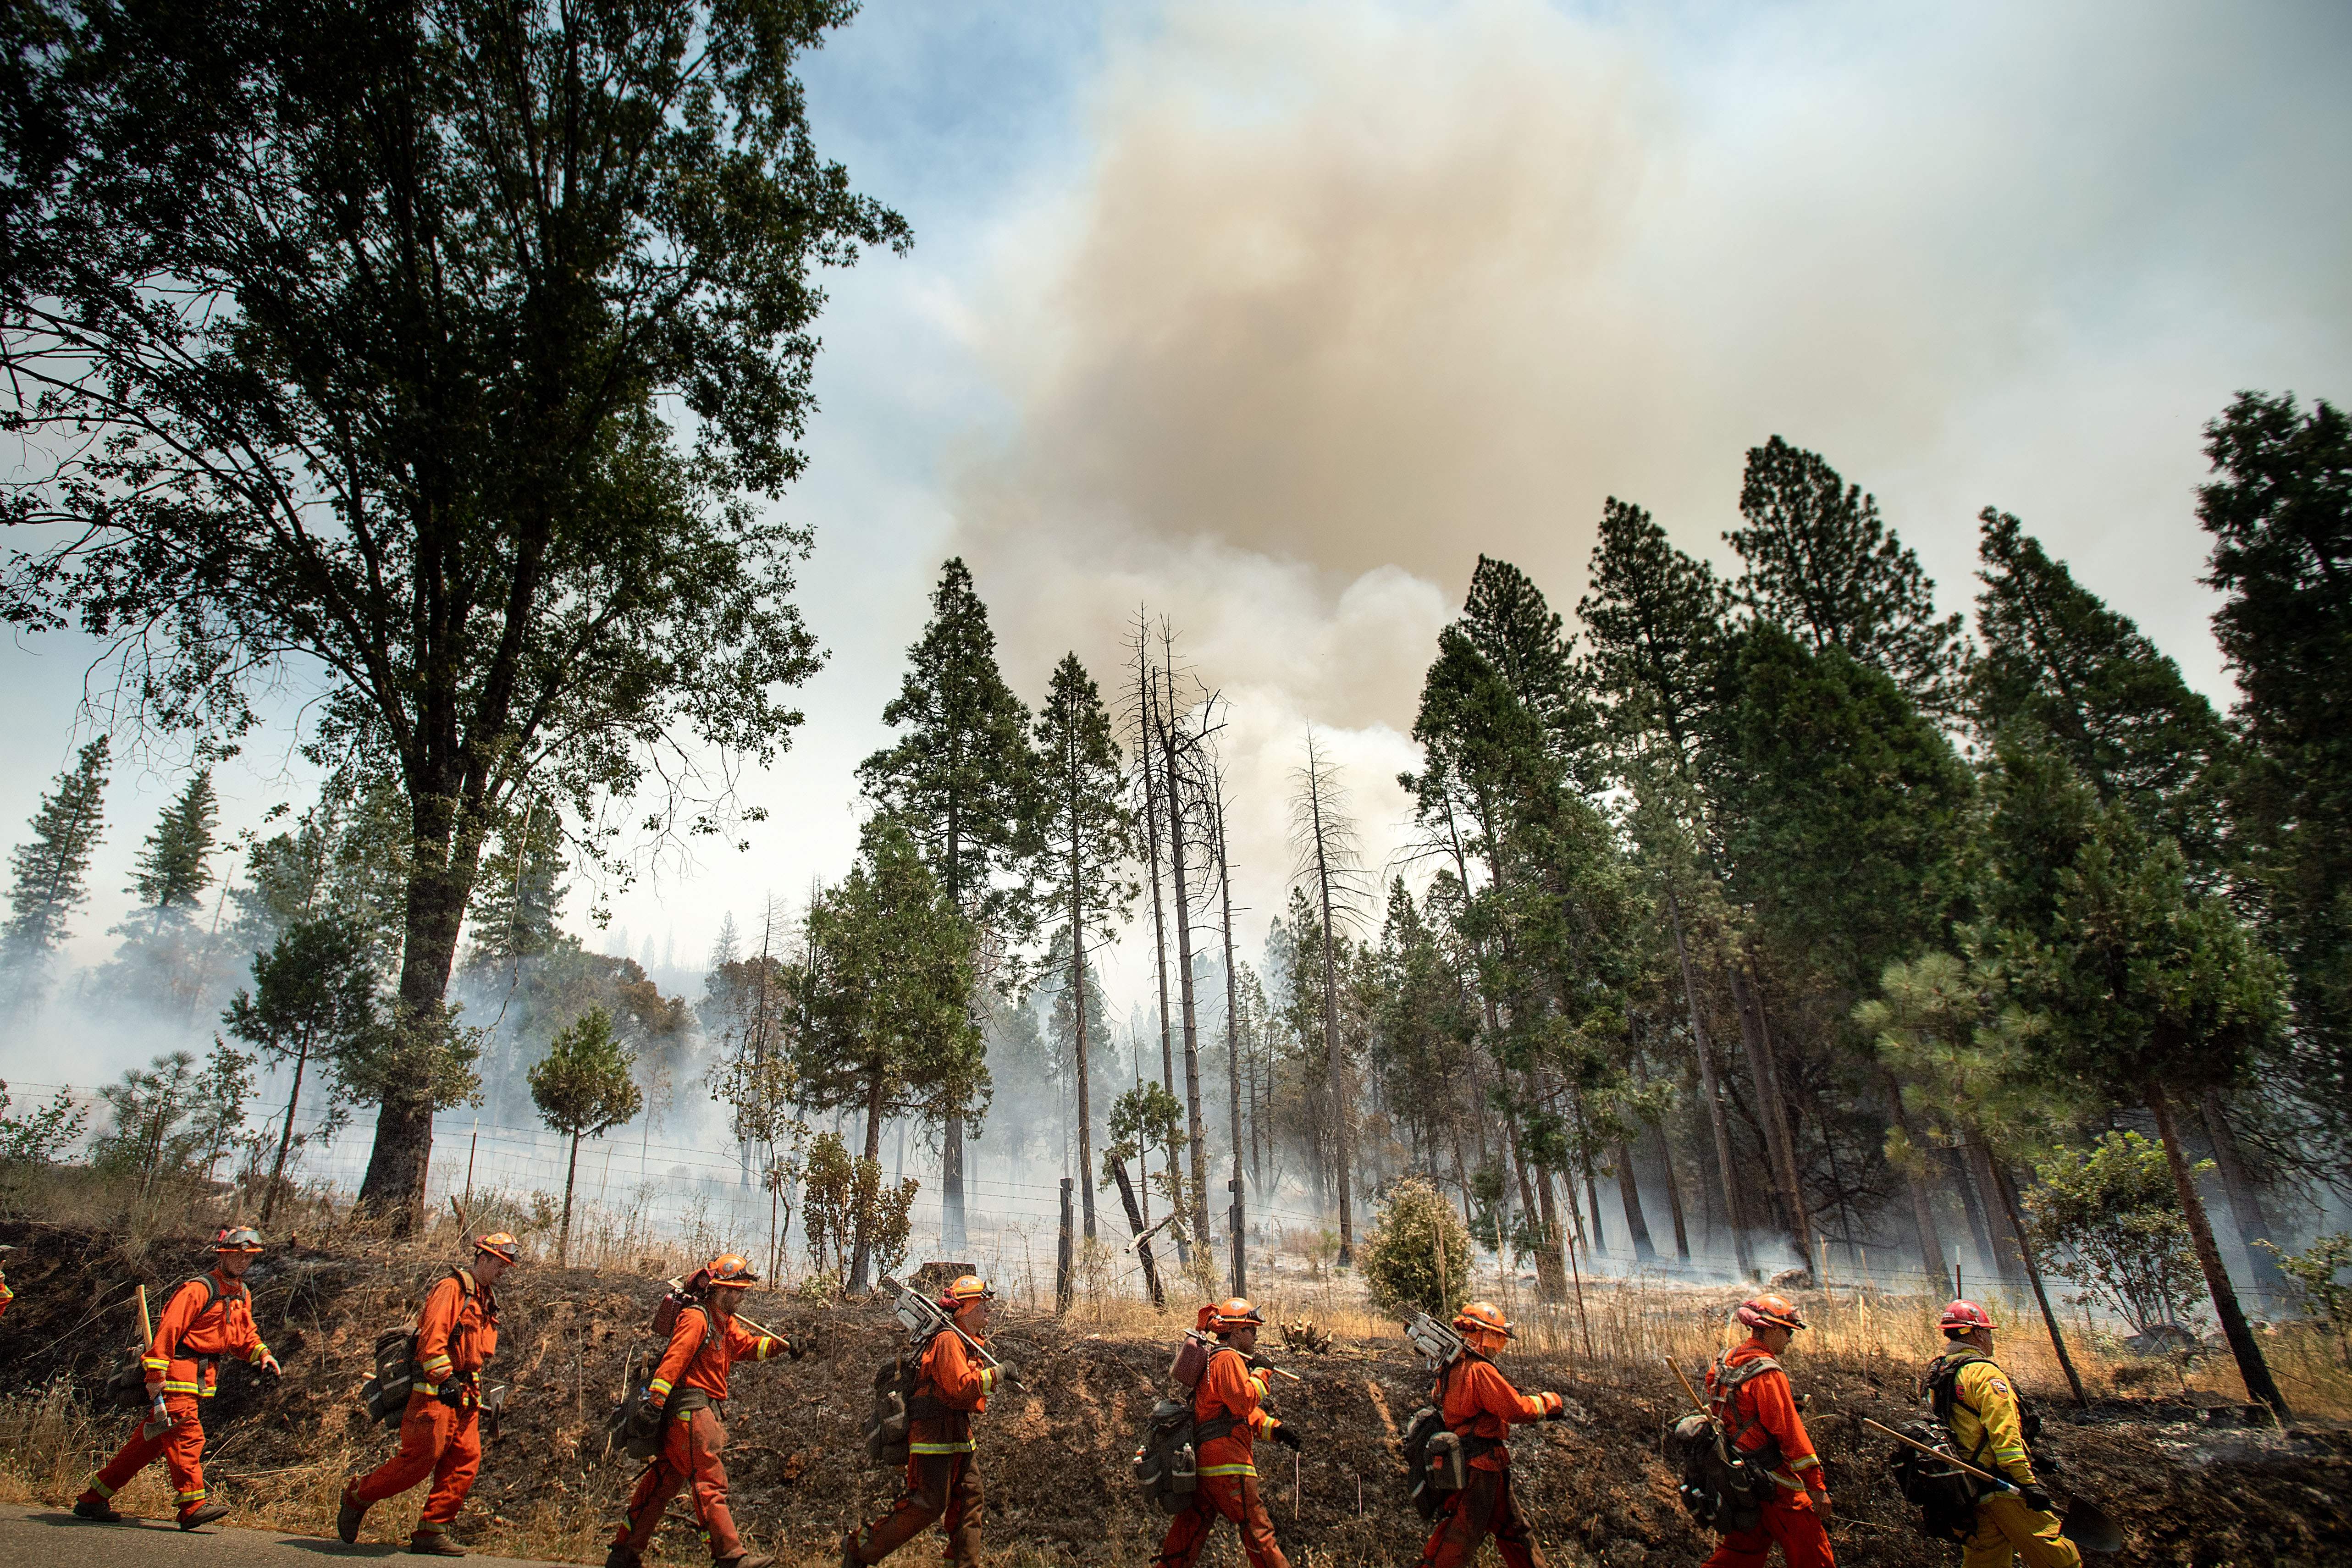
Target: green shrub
x=1417 y=1258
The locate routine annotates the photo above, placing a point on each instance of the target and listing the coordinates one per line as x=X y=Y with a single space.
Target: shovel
x=2089 y=1528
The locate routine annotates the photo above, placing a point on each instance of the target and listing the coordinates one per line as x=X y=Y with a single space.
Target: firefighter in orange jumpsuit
x=942 y=1472
x=1757 y=1409
x=440 y=1432
x=1480 y=1406
x=689 y=1384
x=206 y=1318
x=1234 y=1397
x=6 y=1295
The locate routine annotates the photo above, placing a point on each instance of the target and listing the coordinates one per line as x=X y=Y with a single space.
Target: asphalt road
x=43 y=1536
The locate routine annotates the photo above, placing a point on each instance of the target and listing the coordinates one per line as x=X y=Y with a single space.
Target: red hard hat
x=1485 y=1316
x=1964 y=1315
x=1768 y=1312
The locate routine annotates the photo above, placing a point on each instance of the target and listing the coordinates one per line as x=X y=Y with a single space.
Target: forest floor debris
x=2187 y=1487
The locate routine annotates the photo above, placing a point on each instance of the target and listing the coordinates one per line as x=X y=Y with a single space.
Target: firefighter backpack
x=634 y=1425
x=1168 y=1456
x=1945 y=1495
x=1434 y=1461
x=384 y=1394
x=1722 y=1488
x=889 y=1421
x=126 y=1385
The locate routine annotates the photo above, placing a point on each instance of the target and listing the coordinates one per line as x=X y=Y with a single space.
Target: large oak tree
x=423 y=352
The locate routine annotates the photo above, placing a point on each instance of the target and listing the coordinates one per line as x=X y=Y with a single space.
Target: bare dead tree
x=1327 y=856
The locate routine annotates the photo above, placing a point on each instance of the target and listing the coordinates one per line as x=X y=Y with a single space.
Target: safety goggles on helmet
x=1483 y=1317
x=729 y=1270
x=501 y=1245
x=1768 y=1312
x=238 y=1238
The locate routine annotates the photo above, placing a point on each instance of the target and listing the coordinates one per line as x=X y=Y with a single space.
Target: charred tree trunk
x=2245 y=1198
x=1980 y=1233
x=446 y=839
x=2008 y=1245
x=1636 y=1225
x=1923 y=1206
x=861 y=1258
x=1772 y=1110
x=1136 y=1227
x=1734 y=1216
x=1673 y=1193
x=1197 y=1144
x=1232 y=984
x=2254 y=1371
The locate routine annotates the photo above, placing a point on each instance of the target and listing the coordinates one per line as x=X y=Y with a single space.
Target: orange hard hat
x=238 y=1238
x=1963 y=1315
x=1234 y=1313
x=501 y=1245
x=729 y=1270
x=1768 y=1312
x=1479 y=1317
x=966 y=1289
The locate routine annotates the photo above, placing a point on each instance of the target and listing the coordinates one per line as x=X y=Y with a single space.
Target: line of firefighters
x=1747 y=1394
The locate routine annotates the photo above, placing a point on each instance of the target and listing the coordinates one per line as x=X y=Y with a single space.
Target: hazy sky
x=1274 y=316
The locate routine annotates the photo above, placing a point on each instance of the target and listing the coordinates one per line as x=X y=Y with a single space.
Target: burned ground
x=2190 y=1486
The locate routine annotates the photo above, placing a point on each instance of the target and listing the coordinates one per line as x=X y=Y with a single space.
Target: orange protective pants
x=181 y=1444
x=689 y=1454
x=1789 y=1518
x=1222 y=1497
x=1483 y=1507
x=938 y=1486
x=437 y=1441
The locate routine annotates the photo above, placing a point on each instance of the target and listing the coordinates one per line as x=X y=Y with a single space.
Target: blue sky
x=1276 y=315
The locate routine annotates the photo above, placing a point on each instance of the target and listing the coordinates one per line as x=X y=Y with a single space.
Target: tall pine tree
x=174 y=865
x=1083 y=876
x=2054 y=655
x=961 y=779
x=2279 y=510
x=1823 y=562
x=51 y=875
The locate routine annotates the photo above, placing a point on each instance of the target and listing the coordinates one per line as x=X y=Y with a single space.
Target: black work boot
x=744 y=1560
x=96 y=1509
x=203 y=1514
x=347 y=1518
x=622 y=1557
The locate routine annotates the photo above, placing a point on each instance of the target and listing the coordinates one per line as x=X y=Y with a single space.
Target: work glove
x=1283 y=1434
x=1556 y=1408
x=2034 y=1496
x=1004 y=1375
x=795 y=1348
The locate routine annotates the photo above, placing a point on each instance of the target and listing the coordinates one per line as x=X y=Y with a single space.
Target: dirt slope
x=1054 y=1452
